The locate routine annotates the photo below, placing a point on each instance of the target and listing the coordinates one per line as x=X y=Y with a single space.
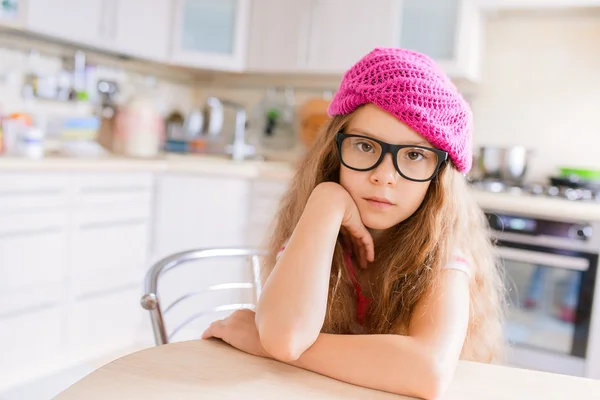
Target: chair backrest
x=151 y=300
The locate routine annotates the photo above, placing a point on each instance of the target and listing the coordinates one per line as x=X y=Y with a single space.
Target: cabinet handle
x=110 y=224
x=31 y=232
x=104 y=292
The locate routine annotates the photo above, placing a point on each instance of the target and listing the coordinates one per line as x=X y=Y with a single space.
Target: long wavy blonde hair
x=409 y=255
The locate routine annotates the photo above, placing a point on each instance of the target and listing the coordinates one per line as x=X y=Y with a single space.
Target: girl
x=381 y=271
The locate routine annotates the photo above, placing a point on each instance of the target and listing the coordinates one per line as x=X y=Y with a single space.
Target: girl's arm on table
x=420 y=364
x=291 y=309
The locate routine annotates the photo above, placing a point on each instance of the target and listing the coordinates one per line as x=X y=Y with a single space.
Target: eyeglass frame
x=393 y=149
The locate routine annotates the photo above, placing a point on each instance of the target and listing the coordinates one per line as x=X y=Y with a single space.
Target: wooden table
x=210 y=369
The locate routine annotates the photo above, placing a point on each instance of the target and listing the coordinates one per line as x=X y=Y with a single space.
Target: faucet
x=239 y=149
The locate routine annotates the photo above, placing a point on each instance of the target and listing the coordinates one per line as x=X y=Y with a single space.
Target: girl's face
x=384 y=198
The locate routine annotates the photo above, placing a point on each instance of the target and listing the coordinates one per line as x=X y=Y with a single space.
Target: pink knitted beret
x=412 y=87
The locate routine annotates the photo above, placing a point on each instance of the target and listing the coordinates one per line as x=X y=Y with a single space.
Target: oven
x=550 y=268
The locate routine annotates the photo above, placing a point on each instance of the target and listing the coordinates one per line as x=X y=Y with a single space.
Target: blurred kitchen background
x=132 y=130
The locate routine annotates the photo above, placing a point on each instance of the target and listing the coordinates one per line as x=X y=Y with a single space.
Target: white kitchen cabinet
x=33 y=258
x=80 y=21
x=134 y=27
x=278 y=38
x=449 y=31
x=30 y=341
x=265 y=200
x=104 y=322
x=12 y=13
x=210 y=34
x=74 y=248
x=200 y=211
x=342 y=31
x=318 y=36
x=142 y=28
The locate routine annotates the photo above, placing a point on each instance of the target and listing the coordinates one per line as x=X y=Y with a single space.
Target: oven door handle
x=538 y=258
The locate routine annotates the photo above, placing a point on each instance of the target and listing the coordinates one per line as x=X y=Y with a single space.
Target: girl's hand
x=238 y=330
x=353 y=230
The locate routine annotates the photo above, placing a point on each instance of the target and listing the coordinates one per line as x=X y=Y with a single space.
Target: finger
x=369 y=247
x=208 y=333
x=217 y=330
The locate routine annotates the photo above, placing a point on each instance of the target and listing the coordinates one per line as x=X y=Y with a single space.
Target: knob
x=583 y=231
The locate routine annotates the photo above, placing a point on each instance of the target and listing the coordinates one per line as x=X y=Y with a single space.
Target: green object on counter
x=582 y=173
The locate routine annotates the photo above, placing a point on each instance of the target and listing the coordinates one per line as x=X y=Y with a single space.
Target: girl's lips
x=379 y=203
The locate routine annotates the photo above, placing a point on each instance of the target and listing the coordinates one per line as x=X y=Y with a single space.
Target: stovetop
x=570 y=193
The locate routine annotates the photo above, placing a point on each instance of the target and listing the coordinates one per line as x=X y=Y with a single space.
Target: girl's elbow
x=280 y=343
x=437 y=375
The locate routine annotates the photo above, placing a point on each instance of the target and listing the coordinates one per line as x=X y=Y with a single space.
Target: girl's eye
x=364 y=146
x=414 y=155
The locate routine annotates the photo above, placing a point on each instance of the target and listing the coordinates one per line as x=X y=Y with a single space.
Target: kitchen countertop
x=280 y=170
x=164 y=163
x=210 y=369
x=538 y=206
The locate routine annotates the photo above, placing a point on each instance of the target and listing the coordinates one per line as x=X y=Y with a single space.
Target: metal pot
x=506 y=163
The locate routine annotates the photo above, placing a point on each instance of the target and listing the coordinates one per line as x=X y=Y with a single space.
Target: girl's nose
x=385 y=173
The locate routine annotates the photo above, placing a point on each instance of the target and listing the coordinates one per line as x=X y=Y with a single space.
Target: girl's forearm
x=392 y=363
x=291 y=309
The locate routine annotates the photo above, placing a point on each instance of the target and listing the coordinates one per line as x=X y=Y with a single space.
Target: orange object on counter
x=23 y=117
x=312 y=117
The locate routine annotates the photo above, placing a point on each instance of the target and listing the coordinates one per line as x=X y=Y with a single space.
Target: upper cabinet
x=285 y=51
x=12 y=13
x=328 y=36
x=269 y=36
x=449 y=31
x=134 y=27
x=318 y=36
x=211 y=34
x=142 y=28
x=342 y=31
x=81 y=21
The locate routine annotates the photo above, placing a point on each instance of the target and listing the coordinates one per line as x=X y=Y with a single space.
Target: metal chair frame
x=151 y=301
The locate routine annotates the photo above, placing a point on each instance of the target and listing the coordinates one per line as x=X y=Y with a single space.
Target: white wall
x=542 y=88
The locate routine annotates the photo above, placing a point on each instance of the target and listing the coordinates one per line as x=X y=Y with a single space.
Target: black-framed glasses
x=415 y=163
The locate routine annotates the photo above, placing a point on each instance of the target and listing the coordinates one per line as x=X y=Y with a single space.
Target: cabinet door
x=142 y=28
x=342 y=31
x=197 y=211
x=104 y=322
x=287 y=50
x=449 y=31
x=211 y=34
x=33 y=258
x=125 y=230
x=430 y=27
x=12 y=13
x=82 y=21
